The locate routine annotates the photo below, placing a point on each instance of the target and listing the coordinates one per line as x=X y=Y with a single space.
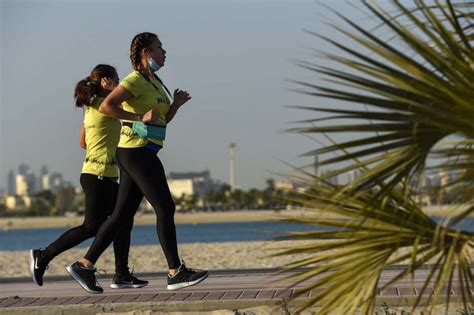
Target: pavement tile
x=145 y=297
x=127 y=298
x=8 y=301
x=231 y=295
x=197 y=296
x=93 y=299
x=77 y=299
x=314 y=292
x=214 y=296
x=162 y=297
x=41 y=301
x=23 y=302
x=266 y=294
x=112 y=298
x=389 y=292
x=407 y=291
x=284 y=293
x=60 y=301
x=249 y=295
x=180 y=296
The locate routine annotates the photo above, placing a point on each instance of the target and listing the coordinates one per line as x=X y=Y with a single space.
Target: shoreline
x=148 y=218
x=7 y=223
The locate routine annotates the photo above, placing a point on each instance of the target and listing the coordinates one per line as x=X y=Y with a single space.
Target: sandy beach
x=150 y=258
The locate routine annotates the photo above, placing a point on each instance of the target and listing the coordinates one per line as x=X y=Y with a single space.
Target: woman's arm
x=171 y=112
x=180 y=97
x=112 y=105
x=82 y=137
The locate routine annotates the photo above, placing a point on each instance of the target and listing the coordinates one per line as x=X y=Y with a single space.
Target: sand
x=150 y=258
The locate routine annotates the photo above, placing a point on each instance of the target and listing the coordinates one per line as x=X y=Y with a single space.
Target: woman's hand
x=180 y=97
x=108 y=84
x=149 y=116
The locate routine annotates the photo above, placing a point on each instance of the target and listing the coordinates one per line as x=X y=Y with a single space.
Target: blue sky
x=234 y=57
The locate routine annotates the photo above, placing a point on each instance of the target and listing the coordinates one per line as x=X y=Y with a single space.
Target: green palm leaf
x=409 y=106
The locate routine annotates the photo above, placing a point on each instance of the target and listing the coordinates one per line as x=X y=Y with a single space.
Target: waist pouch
x=147 y=130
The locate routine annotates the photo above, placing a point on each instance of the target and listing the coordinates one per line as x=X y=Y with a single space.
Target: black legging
x=141 y=174
x=100 y=196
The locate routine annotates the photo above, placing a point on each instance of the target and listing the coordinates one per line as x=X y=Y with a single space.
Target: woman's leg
x=129 y=198
x=146 y=170
x=122 y=240
x=97 y=197
x=123 y=278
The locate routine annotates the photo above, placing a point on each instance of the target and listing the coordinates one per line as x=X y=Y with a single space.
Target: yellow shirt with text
x=146 y=97
x=102 y=137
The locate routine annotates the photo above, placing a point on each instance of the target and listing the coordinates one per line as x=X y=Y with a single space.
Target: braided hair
x=87 y=89
x=140 y=41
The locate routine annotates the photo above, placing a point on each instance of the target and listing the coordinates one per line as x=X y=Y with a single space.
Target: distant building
x=22 y=185
x=65 y=196
x=17 y=202
x=11 y=186
x=179 y=187
x=191 y=183
x=24 y=169
x=30 y=178
x=284 y=185
x=43 y=179
x=55 y=181
x=46 y=182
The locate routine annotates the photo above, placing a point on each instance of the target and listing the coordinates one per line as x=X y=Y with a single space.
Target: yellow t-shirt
x=102 y=137
x=146 y=97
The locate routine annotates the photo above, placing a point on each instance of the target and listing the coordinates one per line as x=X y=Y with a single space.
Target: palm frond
x=402 y=101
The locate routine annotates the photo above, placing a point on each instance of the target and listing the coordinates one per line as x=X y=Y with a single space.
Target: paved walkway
x=223 y=289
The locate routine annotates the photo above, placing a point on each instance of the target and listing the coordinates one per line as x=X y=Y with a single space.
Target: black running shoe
x=85 y=277
x=186 y=277
x=127 y=281
x=38 y=265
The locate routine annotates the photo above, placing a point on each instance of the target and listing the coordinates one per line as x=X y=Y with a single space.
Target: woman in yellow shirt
x=99 y=136
x=141 y=98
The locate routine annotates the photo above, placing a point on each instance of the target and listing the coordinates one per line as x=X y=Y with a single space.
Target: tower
x=232 y=166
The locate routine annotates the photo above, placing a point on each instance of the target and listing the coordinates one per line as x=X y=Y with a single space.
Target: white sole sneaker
x=127 y=286
x=181 y=285
x=32 y=265
x=79 y=280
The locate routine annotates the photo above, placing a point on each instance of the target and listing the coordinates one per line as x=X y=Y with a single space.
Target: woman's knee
x=165 y=211
x=90 y=229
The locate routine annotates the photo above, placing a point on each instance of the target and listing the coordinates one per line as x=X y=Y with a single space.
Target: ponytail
x=86 y=91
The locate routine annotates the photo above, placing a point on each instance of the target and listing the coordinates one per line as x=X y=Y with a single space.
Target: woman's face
x=157 y=53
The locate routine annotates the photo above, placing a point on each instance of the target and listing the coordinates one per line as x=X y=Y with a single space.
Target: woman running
x=99 y=135
x=141 y=98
